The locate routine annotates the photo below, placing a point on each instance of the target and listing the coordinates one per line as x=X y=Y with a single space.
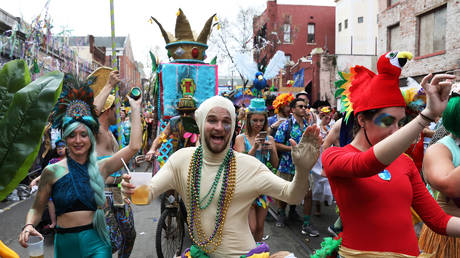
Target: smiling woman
x=255 y=142
x=76 y=184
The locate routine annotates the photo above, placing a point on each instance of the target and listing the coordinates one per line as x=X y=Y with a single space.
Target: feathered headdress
x=282 y=99
x=362 y=89
x=75 y=104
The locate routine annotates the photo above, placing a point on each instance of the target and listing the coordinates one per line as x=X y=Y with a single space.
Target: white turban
x=202 y=112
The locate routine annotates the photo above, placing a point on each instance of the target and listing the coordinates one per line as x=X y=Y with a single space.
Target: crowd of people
x=370 y=161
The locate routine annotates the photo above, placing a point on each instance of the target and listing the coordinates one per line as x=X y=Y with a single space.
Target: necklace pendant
x=385 y=175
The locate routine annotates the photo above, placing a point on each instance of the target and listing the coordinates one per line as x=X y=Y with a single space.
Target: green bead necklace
x=212 y=191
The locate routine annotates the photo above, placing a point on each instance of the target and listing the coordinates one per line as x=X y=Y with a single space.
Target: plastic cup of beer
x=35 y=247
x=141 y=192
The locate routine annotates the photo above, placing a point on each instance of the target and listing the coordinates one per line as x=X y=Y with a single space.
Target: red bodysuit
x=376 y=213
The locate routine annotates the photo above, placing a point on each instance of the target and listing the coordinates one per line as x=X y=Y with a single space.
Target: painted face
x=60 y=151
x=217 y=129
x=385 y=122
x=257 y=122
x=78 y=141
x=300 y=109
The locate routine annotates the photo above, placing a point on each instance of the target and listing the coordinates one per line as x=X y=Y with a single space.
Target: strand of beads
x=209 y=244
x=213 y=188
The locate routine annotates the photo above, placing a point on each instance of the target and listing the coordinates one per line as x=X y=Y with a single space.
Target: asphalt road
x=289 y=238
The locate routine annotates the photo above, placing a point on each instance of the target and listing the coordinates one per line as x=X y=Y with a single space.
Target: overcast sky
x=85 y=17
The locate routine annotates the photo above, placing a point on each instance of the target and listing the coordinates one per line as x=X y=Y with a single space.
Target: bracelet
x=423 y=126
x=426 y=118
x=29 y=224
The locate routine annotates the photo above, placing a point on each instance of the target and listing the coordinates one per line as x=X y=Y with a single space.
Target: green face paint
x=386 y=120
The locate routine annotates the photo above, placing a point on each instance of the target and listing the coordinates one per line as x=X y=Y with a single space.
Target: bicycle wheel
x=170 y=234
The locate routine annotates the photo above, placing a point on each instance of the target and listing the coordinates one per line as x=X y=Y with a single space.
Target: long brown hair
x=248 y=122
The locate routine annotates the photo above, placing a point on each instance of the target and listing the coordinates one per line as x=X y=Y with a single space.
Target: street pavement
x=289 y=238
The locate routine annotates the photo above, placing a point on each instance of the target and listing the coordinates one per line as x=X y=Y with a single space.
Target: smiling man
x=218 y=185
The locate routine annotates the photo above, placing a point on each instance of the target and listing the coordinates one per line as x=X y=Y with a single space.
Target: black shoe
x=309 y=230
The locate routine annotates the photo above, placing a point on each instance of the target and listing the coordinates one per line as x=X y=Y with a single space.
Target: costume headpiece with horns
x=184 y=47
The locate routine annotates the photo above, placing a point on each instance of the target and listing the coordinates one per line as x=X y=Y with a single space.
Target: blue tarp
x=171 y=74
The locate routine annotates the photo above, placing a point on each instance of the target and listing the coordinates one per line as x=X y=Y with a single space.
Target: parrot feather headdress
x=361 y=89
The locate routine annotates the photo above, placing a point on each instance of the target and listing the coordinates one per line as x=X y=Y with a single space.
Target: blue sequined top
x=73 y=191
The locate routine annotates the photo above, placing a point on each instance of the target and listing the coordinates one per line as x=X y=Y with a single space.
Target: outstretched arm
x=437 y=92
x=157 y=142
x=114 y=163
x=160 y=183
x=304 y=156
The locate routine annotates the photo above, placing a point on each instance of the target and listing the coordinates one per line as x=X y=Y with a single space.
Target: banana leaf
x=22 y=127
x=13 y=77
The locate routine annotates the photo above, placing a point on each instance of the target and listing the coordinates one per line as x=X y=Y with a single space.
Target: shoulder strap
x=247 y=144
x=287 y=133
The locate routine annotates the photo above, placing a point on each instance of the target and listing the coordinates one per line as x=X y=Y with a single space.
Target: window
x=340 y=26
x=311 y=33
x=394 y=38
x=287 y=33
x=360 y=19
x=432 y=31
x=345 y=25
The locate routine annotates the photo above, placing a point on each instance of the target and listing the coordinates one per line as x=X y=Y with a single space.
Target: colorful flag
x=298 y=78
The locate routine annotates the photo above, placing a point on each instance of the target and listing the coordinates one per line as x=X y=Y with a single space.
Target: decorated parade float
x=184 y=82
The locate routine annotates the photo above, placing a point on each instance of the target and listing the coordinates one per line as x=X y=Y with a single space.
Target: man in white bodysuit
x=216 y=120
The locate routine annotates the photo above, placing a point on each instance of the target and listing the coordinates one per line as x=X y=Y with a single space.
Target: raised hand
x=437 y=92
x=306 y=153
x=114 y=78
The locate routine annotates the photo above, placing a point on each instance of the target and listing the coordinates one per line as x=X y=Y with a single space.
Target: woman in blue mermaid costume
x=76 y=183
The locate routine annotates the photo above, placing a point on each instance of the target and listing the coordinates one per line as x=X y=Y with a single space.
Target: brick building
x=428 y=29
x=130 y=70
x=297 y=30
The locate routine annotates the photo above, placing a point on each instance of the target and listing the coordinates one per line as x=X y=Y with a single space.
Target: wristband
x=426 y=118
x=27 y=225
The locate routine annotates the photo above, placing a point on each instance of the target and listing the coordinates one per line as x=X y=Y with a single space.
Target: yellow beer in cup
x=141 y=192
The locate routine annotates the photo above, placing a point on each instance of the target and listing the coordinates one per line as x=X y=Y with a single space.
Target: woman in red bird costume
x=374 y=183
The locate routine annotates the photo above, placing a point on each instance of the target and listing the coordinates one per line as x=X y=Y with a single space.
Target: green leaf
x=13 y=77
x=339 y=92
x=154 y=62
x=214 y=61
x=22 y=128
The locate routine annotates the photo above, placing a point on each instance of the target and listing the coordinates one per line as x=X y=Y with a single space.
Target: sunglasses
x=302 y=106
x=385 y=120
